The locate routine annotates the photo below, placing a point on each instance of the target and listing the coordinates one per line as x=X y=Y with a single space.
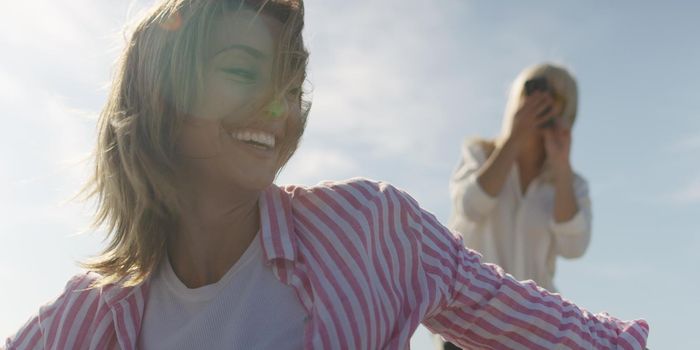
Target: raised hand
x=534 y=112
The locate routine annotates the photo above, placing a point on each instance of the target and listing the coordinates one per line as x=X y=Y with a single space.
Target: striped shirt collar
x=276 y=227
x=277 y=224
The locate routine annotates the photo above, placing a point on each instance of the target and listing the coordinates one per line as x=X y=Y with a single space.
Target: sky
x=397 y=86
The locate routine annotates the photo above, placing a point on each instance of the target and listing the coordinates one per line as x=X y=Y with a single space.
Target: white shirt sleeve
x=572 y=237
x=468 y=197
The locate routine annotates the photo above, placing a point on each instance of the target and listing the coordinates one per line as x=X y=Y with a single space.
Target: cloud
x=689 y=194
x=689 y=143
x=56 y=56
x=685 y=150
x=43 y=128
x=408 y=79
x=381 y=85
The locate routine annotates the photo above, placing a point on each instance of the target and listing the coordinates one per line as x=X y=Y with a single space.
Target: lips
x=258 y=138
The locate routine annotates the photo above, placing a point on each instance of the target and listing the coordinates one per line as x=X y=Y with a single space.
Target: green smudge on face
x=275 y=109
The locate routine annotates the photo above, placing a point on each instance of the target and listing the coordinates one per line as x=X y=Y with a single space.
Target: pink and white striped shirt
x=368 y=265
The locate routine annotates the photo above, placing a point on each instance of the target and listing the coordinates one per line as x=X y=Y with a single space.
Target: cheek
x=294 y=130
x=200 y=138
x=224 y=99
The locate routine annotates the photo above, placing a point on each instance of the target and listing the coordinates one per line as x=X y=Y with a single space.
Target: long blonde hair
x=158 y=78
x=561 y=81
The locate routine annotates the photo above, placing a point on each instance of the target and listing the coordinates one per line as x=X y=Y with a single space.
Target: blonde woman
x=516 y=199
x=207 y=252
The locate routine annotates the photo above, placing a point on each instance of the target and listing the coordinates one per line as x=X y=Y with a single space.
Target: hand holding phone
x=541 y=84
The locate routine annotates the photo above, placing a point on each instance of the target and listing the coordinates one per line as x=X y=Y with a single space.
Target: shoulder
x=83 y=291
x=78 y=291
x=78 y=286
x=348 y=195
x=477 y=148
x=58 y=317
x=364 y=188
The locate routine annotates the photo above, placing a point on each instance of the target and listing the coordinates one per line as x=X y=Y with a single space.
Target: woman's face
x=236 y=132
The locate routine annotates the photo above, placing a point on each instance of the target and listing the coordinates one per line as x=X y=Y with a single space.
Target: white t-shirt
x=249 y=308
x=514 y=230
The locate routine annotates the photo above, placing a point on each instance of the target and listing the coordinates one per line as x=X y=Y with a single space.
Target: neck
x=217 y=226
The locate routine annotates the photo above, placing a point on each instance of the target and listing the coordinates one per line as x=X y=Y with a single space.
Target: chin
x=261 y=184
x=253 y=181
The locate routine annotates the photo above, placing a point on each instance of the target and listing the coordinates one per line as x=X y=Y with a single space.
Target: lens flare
x=173 y=23
x=275 y=109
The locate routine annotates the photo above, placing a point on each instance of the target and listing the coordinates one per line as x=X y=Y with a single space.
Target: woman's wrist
x=511 y=145
x=515 y=138
x=563 y=175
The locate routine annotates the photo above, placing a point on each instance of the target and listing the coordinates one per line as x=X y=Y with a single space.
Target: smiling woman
x=194 y=94
x=206 y=251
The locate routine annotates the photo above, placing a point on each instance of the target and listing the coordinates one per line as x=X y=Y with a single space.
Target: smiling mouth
x=259 y=139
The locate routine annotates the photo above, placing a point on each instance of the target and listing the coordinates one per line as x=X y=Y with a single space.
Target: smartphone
x=536 y=84
x=540 y=84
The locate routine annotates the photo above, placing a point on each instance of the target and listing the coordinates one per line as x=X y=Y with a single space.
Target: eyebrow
x=251 y=51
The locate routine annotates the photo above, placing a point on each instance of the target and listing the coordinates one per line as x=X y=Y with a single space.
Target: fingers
x=537 y=101
x=539 y=107
x=534 y=112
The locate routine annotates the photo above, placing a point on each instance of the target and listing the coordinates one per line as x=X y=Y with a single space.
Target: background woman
x=517 y=199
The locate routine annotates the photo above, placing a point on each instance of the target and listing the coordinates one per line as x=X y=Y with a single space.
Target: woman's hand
x=534 y=111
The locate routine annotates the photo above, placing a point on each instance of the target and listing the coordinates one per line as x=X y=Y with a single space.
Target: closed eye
x=241 y=74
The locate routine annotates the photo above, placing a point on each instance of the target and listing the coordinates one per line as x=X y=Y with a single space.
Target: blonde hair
x=560 y=80
x=158 y=79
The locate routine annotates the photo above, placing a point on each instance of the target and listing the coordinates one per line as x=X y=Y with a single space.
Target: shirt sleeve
x=571 y=238
x=468 y=197
x=32 y=335
x=477 y=305
x=29 y=336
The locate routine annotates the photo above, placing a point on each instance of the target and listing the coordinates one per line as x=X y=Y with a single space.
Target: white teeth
x=259 y=137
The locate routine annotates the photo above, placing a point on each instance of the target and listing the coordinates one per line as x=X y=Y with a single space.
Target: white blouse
x=513 y=230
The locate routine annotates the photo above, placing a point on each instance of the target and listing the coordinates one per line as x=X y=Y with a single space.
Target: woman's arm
x=28 y=337
x=474 y=304
x=565 y=206
x=571 y=216
x=469 y=200
x=493 y=174
x=526 y=122
x=571 y=237
x=53 y=324
x=478 y=305
x=557 y=142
